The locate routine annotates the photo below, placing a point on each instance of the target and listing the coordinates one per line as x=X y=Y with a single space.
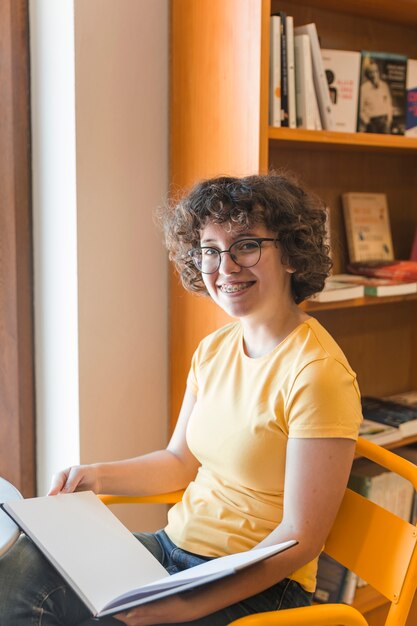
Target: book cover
x=391 y=413
x=378 y=287
x=367 y=226
x=292 y=107
x=335 y=290
x=394 y=270
x=111 y=571
x=379 y=433
x=319 y=76
x=411 y=116
x=382 y=93
x=275 y=71
x=409 y=398
x=306 y=100
x=342 y=69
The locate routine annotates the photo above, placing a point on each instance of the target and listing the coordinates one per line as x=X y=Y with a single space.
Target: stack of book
x=320 y=88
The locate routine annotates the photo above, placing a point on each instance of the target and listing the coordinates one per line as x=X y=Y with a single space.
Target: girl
x=266 y=434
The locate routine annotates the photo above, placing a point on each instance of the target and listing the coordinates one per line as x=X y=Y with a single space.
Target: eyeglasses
x=245 y=253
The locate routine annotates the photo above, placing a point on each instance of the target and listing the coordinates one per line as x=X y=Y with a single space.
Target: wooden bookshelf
x=219 y=122
x=331 y=140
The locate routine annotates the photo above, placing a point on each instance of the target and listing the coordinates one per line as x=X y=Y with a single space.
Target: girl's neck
x=261 y=338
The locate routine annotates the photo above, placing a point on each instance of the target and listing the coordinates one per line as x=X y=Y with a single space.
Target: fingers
x=66 y=481
x=58 y=482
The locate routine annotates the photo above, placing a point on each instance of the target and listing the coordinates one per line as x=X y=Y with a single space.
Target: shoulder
x=222 y=338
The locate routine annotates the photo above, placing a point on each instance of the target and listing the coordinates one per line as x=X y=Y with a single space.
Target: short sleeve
x=324 y=401
x=192 y=374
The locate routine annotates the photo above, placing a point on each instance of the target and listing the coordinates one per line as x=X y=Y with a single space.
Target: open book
x=106 y=566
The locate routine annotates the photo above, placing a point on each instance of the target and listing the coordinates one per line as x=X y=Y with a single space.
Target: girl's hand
x=76 y=478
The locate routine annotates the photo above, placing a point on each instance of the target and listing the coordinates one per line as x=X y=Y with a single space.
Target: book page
x=97 y=555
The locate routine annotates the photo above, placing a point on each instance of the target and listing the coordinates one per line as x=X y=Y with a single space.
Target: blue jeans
x=33 y=593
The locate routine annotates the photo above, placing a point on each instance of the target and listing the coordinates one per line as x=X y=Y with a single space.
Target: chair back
x=376 y=544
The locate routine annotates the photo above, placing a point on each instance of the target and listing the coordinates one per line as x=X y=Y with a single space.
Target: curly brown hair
x=276 y=200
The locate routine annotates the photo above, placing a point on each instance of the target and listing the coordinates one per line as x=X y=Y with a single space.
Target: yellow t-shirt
x=246 y=409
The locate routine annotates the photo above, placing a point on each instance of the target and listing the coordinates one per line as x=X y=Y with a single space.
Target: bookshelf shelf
x=322 y=139
x=312 y=307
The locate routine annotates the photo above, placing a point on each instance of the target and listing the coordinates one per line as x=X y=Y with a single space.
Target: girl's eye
x=209 y=251
x=246 y=246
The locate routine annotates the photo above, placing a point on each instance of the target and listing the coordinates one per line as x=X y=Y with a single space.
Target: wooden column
x=17 y=407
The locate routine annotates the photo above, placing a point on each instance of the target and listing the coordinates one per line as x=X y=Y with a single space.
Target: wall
x=120 y=99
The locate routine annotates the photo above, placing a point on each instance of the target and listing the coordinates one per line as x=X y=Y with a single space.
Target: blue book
x=391 y=413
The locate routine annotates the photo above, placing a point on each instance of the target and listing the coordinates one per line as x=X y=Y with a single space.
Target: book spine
x=292 y=108
x=411 y=116
x=348 y=228
x=284 y=70
x=275 y=72
x=304 y=86
x=319 y=76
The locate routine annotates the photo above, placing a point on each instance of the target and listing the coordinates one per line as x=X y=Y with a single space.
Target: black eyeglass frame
x=257 y=240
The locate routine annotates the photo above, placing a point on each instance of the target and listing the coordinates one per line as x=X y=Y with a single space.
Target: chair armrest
x=317 y=615
x=162 y=498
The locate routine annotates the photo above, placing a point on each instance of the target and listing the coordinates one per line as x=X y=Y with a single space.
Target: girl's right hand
x=76 y=478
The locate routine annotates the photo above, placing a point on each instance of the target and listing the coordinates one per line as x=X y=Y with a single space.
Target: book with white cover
x=319 y=76
x=292 y=107
x=275 y=71
x=111 y=571
x=411 y=115
x=335 y=291
x=342 y=69
x=306 y=100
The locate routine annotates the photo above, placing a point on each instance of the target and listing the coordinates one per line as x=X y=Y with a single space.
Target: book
x=411 y=115
x=409 y=398
x=111 y=571
x=275 y=71
x=367 y=226
x=292 y=107
x=305 y=93
x=331 y=580
x=391 y=413
x=379 y=433
x=378 y=287
x=335 y=290
x=284 y=70
x=393 y=270
x=319 y=76
x=342 y=69
x=382 y=93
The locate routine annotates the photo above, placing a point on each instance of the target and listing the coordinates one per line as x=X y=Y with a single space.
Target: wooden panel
x=377 y=343
x=331 y=173
x=17 y=459
x=215 y=130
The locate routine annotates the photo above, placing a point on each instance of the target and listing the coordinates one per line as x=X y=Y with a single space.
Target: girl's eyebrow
x=244 y=235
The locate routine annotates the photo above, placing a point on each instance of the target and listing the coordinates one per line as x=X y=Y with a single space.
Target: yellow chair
x=369 y=540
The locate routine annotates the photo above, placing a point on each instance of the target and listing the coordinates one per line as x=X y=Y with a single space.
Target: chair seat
x=9 y=531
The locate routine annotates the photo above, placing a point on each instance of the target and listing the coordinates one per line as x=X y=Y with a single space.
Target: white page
x=99 y=557
x=195 y=576
x=103 y=562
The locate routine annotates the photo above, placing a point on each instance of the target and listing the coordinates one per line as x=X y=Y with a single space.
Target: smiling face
x=256 y=293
